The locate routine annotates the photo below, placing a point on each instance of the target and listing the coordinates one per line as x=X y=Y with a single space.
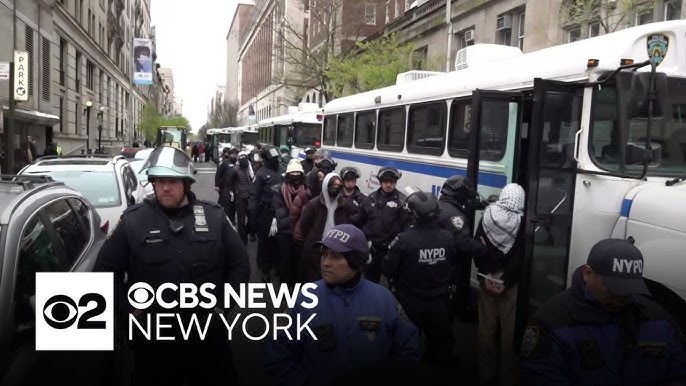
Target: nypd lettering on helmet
x=431 y=256
x=627 y=266
x=338 y=235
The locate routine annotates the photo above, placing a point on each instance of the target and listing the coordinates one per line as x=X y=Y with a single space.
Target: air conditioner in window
x=503 y=22
x=469 y=35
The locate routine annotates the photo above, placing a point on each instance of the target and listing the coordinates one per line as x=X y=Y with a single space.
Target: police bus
x=299 y=129
x=218 y=138
x=172 y=136
x=574 y=124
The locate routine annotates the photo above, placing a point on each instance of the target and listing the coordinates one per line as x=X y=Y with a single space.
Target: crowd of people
x=313 y=224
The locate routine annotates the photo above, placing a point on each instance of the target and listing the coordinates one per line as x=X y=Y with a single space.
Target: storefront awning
x=33 y=116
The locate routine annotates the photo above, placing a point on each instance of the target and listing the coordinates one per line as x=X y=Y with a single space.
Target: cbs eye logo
x=141 y=295
x=61 y=311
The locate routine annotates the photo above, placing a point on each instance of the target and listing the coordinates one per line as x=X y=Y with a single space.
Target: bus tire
x=670 y=301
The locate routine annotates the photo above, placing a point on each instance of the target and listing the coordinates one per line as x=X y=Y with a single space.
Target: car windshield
x=99 y=187
x=137 y=165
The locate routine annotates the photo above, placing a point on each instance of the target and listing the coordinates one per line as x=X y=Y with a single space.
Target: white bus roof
x=287 y=119
x=562 y=62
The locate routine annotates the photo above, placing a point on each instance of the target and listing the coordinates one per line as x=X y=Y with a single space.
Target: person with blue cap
x=358 y=324
x=604 y=329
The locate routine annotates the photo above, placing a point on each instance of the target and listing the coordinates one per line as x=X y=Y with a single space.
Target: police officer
x=308 y=163
x=261 y=209
x=226 y=196
x=419 y=262
x=176 y=238
x=239 y=184
x=458 y=199
x=351 y=193
x=602 y=330
x=383 y=216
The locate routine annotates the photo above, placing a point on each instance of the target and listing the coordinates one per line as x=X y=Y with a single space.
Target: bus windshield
x=170 y=135
x=306 y=134
x=223 y=138
x=668 y=133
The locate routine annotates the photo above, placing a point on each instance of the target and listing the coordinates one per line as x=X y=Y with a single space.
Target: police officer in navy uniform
x=176 y=238
x=459 y=198
x=226 y=196
x=383 y=216
x=604 y=330
x=351 y=193
x=419 y=262
x=261 y=209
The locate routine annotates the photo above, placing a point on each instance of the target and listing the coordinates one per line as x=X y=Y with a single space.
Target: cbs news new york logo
x=74 y=311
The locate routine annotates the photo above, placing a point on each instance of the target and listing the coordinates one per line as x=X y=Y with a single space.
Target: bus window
x=426 y=128
x=495 y=118
x=345 y=130
x=365 y=130
x=305 y=134
x=282 y=132
x=460 y=123
x=329 y=135
x=391 y=129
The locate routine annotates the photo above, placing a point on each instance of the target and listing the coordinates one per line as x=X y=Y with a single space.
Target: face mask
x=334 y=191
x=243 y=162
x=293 y=180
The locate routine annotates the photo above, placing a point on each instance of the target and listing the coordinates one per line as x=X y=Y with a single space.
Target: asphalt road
x=249 y=354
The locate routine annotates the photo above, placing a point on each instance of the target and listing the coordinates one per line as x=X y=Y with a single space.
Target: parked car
x=142 y=175
x=45 y=226
x=109 y=183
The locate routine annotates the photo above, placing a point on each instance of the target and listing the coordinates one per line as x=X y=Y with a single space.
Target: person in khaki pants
x=499 y=271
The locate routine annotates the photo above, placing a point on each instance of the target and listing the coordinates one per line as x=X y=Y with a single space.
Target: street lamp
x=100 y=113
x=89 y=104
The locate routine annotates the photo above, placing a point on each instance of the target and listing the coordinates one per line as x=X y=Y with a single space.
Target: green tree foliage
x=376 y=65
x=611 y=15
x=150 y=120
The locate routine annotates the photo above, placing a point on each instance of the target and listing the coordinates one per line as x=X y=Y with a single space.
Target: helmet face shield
x=388 y=173
x=169 y=162
x=350 y=173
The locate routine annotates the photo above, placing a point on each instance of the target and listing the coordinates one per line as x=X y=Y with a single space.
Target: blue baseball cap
x=620 y=264
x=345 y=238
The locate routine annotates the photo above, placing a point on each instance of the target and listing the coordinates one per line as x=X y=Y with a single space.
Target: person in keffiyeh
x=501 y=232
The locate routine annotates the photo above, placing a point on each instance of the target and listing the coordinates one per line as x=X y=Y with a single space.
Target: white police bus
x=299 y=129
x=573 y=124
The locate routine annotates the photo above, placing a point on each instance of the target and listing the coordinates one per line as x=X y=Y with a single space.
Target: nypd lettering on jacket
x=627 y=266
x=431 y=256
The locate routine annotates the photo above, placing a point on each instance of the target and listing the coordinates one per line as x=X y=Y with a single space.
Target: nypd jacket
x=573 y=341
x=382 y=217
x=421 y=261
x=355 y=327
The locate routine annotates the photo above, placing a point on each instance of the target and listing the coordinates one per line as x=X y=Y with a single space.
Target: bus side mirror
x=634 y=88
x=636 y=154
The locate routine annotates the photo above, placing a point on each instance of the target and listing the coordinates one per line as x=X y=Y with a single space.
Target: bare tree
x=223 y=114
x=305 y=49
x=609 y=14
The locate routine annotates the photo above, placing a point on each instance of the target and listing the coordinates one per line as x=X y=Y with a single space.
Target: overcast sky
x=191 y=40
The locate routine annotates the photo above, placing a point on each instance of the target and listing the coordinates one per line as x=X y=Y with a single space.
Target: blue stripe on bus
x=485 y=178
x=626 y=207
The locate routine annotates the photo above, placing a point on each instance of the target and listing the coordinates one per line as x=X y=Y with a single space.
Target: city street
x=249 y=355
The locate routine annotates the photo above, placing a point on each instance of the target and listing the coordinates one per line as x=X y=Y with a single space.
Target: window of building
x=407 y=5
x=426 y=128
x=62 y=127
x=78 y=72
x=28 y=33
x=90 y=75
x=644 y=17
x=345 y=130
x=672 y=10
x=391 y=131
x=46 y=83
x=63 y=61
x=520 y=28
x=365 y=130
x=77 y=112
x=397 y=9
x=419 y=57
x=79 y=11
x=593 y=30
x=89 y=21
x=505 y=37
x=388 y=11
x=369 y=14
x=573 y=34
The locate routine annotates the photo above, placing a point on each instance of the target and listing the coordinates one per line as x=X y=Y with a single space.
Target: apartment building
x=79 y=72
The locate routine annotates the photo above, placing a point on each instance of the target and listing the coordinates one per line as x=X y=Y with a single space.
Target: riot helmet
x=459 y=188
x=423 y=206
x=169 y=162
x=350 y=173
x=327 y=166
x=388 y=173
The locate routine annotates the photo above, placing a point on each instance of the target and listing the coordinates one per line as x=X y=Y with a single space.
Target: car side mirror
x=636 y=154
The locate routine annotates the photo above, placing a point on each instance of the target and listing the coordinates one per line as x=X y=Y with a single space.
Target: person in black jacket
x=419 y=262
x=351 y=193
x=239 y=183
x=500 y=268
x=458 y=199
x=226 y=196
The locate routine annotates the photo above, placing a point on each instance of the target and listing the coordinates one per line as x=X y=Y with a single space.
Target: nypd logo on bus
x=657 y=47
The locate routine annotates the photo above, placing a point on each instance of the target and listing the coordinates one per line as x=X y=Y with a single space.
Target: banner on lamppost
x=21 y=76
x=142 y=59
